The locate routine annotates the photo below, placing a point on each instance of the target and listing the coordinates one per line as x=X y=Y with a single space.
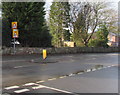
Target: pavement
x=72 y=74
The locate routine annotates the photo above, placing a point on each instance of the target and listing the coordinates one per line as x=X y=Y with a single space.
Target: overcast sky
x=114 y=4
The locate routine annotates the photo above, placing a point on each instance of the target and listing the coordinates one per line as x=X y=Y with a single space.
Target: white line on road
x=29 y=84
x=42 y=86
x=71 y=75
x=94 y=69
x=80 y=73
x=51 y=79
x=104 y=67
x=22 y=66
x=40 y=81
x=11 y=87
x=100 y=68
x=57 y=89
x=22 y=90
x=113 y=65
x=37 y=87
x=62 y=77
x=88 y=70
x=109 y=66
x=112 y=54
x=18 y=67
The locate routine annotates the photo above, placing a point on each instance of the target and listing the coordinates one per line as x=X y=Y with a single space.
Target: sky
x=113 y=5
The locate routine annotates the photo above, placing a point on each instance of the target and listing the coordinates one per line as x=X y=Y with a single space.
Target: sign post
x=14 y=33
x=14 y=46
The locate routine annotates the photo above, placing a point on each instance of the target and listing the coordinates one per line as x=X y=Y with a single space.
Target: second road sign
x=15 y=33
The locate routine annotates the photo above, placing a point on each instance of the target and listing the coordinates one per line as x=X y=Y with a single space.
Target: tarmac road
x=74 y=73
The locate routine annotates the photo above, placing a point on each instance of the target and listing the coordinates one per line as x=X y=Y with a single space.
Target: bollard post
x=44 y=54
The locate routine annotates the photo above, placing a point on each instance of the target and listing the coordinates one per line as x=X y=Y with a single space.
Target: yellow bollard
x=44 y=54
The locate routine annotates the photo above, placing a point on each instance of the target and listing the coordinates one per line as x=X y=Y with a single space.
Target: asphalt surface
x=74 y=73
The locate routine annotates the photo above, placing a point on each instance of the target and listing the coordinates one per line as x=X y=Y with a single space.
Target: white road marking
x=18 y=67
x=51 y=79
x=62 y=77
x=93 y=69
x=112 y=54
x=11 y=87
x=80 y=73
x=88 y=70
x=37 y=87
x=29 y=84
x=40 y=81
x=100 y=68
x=113 y=65
x=109 y=66
x=22 y=66
x=72 y=75
x=57 y=89
x=105 y=67
x=22 y=90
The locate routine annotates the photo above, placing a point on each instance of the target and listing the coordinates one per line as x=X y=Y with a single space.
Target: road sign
x=14 y=25
x=15 y=33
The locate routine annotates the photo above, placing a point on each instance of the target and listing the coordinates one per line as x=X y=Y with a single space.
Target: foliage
x=33 y=31
x=66 y=17
x=110 y=17
x=59 y=19
x=86 y=17
x=6 y=33
x=102 y=39
x=97 y=43
x=80 y=34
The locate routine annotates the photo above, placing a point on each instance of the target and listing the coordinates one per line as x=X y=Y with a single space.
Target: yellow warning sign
x=14 y=25
x=44 y=53
x=15 y=33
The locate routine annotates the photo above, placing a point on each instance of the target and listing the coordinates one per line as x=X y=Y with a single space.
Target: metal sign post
x=14 y=46
x=14 y=34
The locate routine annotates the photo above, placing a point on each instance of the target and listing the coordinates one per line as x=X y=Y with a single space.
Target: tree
x=80 y=34
x=85 y=18
x=66 y=17
x=111 y=19
x=6 y=33
x=58 y=20
x=101 y=40
x=31 y=22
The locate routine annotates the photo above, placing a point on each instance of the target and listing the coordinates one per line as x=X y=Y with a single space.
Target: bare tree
x=88 y=16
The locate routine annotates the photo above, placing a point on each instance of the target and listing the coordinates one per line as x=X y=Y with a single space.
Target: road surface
x=74 y=73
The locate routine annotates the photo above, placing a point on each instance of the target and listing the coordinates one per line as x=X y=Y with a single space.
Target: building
x=113 y=39
x=69 y=44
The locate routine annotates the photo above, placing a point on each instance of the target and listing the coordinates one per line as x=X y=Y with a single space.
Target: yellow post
x=44 y=53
